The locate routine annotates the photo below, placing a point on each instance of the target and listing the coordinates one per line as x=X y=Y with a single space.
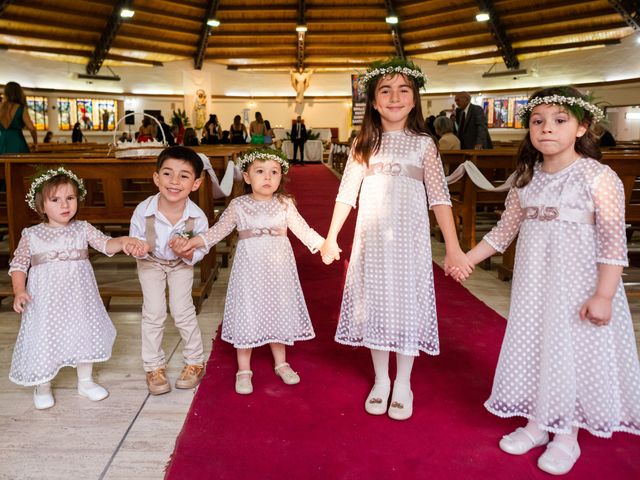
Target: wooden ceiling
x=341 y=34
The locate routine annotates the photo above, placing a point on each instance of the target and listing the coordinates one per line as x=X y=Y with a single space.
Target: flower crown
x=264 y=154
x=38 y=182
x=391 y=67
x=575 y=105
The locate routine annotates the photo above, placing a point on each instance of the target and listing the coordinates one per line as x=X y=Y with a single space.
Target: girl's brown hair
x=368 y=141
x=49 y=187
x=586 y=145
x=280 y=193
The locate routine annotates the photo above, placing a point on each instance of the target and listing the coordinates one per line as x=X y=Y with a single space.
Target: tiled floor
x=130 y=434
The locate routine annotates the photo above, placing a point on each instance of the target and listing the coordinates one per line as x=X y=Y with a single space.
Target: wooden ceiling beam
x=395 y=29
x=106 y=39
x=24 y=33
x=350 y=65
x=499 y=34
x=629 y=10
x=3 y=5
x=74 y=52
x=301 y=21
x=526 y=50
x=205 y=31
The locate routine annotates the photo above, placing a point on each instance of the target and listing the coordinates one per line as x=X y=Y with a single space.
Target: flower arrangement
x=394 y=66
x=243 y=161
x=187 y=235
x=39 y=180
x=576 y=105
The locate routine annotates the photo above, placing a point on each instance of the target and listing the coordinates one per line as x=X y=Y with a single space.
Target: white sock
x=381 y=366
x=404 y=365
x=43 y=389
x=568 y=439
x=85 y=372
x=534 y=430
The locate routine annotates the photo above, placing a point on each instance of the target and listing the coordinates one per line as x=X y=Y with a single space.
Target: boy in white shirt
x=157 y=220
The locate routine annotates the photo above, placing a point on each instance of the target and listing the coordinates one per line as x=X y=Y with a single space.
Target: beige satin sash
x=395 y=170
x=259 y=232
x=544 y=214
x=73 y=254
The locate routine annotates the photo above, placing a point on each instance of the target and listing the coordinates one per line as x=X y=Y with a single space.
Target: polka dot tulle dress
x=555 y=368
x=264 y=301
x=66 y=322
x=389 y=301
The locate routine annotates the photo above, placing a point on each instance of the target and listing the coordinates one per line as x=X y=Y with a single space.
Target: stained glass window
x=37 y=107
x=91 y=113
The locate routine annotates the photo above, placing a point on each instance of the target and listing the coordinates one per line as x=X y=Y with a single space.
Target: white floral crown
x=36 y=185
x=248 y=158
x=420 y=78
x=525 y=111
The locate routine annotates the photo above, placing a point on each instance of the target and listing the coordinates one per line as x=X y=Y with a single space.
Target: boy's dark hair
x=183 y=154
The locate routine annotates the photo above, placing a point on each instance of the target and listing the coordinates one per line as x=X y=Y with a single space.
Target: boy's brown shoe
x=190 y=376
x=157 y=382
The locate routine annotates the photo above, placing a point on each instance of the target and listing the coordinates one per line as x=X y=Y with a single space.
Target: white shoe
x=42 y=397
x=559 y=458
x=401 y=407
x=521 y=441
x=92 y=391
x=243 y=382
x=378 y=399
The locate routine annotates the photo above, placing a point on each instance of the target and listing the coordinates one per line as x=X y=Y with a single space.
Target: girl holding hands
x=264 y=304
x=64 y=322
x=568 y=358
x=388 y=303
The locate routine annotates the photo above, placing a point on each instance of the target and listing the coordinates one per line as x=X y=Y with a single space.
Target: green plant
x=179 y=118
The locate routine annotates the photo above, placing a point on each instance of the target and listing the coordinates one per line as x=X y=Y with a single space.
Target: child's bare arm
x=128 y=245
x=21 y=297
x=597 y=309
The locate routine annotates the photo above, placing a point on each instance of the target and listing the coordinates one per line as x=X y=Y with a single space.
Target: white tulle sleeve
x=223 y=227
x=301 y=229
x=434 y=180
x=501 y=236
x=608 y=198
x=351 y=181
x=22 y=256
x=97 y=239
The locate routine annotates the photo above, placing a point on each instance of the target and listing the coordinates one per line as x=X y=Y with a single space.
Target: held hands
x=20 y=300
x=597 y=309
x=134 y=246
x=330 y=251
x=184 y=247
x=458 y=265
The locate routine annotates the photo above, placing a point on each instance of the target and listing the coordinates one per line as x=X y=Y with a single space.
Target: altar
x=312 y=150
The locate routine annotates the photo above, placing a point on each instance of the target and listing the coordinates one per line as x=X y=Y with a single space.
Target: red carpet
x=319 y=429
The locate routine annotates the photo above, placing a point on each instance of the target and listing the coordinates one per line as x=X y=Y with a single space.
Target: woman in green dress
x=14 y=116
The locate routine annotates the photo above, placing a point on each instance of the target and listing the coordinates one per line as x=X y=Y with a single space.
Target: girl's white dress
x=264 y=301
x=555 y=368
x=66 y=322
x=389 y=300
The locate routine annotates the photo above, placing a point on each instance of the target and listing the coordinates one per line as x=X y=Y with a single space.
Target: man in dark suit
x=471 y=124
x=298 y=137
x=167 y=132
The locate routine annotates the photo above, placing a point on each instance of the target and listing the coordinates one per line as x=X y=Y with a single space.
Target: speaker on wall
x=129 y=120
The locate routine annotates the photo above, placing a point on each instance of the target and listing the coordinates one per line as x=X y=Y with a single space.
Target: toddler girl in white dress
x=264 y=301
x=569 y=358
x=64 y=322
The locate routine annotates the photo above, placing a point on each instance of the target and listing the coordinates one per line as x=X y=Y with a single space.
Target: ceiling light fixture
x=126 y=13
x=391 y=20
x=301 y=28
x=212 y=22
x=482 y=17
